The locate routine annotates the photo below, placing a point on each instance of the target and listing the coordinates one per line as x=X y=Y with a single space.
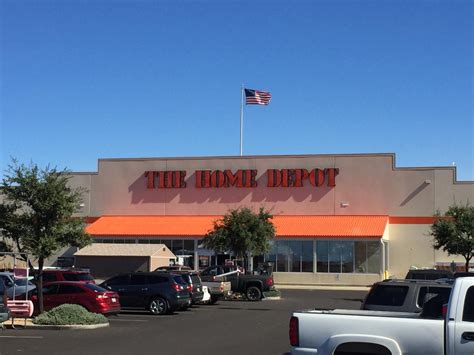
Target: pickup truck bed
x=217 y=289
x=403 y=328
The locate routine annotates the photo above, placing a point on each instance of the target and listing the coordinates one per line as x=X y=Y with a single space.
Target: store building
x=340 y=219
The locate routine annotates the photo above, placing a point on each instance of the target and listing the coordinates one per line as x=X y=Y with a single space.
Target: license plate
x=114 y=299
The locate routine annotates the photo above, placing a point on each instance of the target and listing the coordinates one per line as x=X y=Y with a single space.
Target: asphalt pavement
x=229 y=327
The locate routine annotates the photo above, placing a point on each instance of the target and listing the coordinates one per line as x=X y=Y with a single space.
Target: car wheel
x=253 y=294
x=158 y=306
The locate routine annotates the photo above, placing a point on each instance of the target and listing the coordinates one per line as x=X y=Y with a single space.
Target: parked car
x=405 y=295
x=428 y=274
x=90 y=296
x=21 y=285
x=78 y=275
x=157 y=292
x=4 y=311
x=193 y=281
x=252 y=286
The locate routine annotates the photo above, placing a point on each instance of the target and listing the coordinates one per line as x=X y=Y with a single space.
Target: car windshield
x=78 y=276
x=95 y=288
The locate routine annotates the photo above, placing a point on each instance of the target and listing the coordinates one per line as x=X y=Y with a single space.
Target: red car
x=92 y=297
x=79 y=275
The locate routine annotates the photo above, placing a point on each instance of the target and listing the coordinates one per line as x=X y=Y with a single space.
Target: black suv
x=157 y=292
x=194 y=285
x=406 y=296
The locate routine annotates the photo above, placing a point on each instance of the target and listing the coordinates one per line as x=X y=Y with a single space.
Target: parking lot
x=229 y=327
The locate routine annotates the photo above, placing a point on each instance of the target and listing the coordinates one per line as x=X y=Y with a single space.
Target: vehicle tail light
x=445 y=310
x=294 y=336
x=101 y=296
x=190 y=288
x=221 y=287
x=176 y=287
x=270 y=281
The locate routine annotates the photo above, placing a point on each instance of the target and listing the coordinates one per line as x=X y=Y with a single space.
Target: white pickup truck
x=344 y=332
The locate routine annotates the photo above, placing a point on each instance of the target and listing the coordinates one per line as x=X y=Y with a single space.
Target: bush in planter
x=69 y=314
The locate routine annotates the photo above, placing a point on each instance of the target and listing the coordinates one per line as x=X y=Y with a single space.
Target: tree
x=242 y=232
x=455 y=233
x=36 y=213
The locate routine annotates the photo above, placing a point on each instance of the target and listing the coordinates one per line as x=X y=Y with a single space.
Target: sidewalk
x=321 y=287
x=18 y=322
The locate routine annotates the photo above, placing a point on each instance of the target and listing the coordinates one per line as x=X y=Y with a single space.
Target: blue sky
x=82 y=80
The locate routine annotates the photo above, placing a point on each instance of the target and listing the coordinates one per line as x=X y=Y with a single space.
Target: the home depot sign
x=242 y=178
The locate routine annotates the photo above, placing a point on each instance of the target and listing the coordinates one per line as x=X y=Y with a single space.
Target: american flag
x=256 y=97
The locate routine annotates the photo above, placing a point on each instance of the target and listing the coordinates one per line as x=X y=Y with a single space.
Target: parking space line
x=21 y=336
x=128 y=320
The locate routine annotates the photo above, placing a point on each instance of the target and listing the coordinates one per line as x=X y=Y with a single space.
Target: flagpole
x=241 y=118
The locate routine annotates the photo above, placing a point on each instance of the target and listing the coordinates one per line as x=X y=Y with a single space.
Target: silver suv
x=406 y=295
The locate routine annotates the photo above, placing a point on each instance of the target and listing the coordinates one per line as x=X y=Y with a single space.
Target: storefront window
x=271 y=256
x=294 y=257
x=322 y=256
x=334 y=257
x=373 y=257
x=166 y=242
x=347 y=256
x=307 y=256
x=282 y=256
x=360 y=251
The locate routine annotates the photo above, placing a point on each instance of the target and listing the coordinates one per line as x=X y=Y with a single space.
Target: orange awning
x=196 y=226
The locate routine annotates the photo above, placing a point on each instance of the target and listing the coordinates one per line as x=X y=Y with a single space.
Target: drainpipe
x=384 y=257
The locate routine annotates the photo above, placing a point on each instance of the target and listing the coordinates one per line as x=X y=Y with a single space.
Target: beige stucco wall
x=305 y=278
x=411 y=246
x=369 y=183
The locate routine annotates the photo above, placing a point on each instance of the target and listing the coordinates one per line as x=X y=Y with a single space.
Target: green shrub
x=69 y=314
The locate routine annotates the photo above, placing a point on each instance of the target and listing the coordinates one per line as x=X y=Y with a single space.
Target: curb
x=322 y=287
x=271 y=298
x=63 y=327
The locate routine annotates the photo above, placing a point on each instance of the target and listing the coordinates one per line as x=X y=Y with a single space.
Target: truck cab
x=459 y=331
